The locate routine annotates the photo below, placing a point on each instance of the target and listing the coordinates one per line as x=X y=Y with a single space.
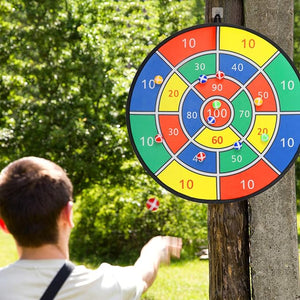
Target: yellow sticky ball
x=158 y=79
x=258 y=101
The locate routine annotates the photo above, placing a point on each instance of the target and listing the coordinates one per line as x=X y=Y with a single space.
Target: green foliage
x=66 y=69
x=115 y=223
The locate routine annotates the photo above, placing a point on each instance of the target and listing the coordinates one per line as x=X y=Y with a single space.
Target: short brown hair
x=33 y=192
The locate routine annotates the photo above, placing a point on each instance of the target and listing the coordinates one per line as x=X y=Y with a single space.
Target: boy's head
x=33 y=193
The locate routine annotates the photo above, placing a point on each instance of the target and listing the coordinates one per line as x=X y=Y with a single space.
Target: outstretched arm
x=158 y=250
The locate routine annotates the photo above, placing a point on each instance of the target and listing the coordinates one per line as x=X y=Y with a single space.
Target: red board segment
x=189 y=43
x=172 y=132
x=248 y=182
x=222 y=115
x=260 y=87
x=215 y=87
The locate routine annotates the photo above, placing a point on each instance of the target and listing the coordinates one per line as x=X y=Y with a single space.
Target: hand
x=172 y=248
x=164 y=247
x=158 y=250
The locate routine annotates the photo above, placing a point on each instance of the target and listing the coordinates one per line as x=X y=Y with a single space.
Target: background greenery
x=66 y=69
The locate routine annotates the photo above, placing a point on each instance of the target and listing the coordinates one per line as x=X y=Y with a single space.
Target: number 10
x=250 y=43
x=191 y=43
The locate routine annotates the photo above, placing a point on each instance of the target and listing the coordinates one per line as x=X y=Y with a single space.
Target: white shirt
x=28 y=279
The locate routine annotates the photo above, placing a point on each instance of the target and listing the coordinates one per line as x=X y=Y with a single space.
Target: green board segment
x=233 y=159
x=242 y=113
x=144 y=130
x=286 y=83
x=205 y=64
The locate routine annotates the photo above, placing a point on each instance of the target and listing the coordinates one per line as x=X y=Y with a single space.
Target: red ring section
x=247 y=182
x=260 y=87
x=215 y=87
x=189 y=43
x=172 y=132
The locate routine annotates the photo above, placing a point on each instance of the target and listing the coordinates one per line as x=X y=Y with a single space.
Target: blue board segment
x=191 y=113
x=236 y=67
x=145 y=91
x=188 y=157
x=286 y=143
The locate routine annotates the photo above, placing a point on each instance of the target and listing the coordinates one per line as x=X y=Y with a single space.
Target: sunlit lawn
x=187 y=280
x=8 y=251
x=179 y=281
x=182 y=280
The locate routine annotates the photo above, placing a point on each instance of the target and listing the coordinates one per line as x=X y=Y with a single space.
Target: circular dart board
x=214 y=113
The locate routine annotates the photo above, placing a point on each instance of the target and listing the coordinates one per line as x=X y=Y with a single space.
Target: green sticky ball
x=216 y=104
x=264 y=137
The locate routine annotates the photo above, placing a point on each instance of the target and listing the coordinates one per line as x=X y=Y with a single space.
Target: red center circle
x=222 y=114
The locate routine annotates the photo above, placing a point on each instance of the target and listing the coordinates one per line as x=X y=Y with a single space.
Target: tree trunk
x=273 y=229
x=228 y=251
x=228 y=223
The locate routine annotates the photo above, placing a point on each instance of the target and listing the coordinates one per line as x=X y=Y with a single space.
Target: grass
x=182 y=280
x=7 y=249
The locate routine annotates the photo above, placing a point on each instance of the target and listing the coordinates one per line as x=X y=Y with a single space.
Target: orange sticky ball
x=258 y=101
x=158 y=79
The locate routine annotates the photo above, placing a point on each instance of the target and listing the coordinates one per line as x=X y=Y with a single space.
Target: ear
x=3 y=226
x=67 y=214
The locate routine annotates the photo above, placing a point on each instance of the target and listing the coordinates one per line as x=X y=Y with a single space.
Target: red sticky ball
x=201 y=156
x=158 y=138
x=220 y=75
x=152 y=204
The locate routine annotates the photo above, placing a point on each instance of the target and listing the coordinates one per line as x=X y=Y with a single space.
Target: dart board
x=213 y=113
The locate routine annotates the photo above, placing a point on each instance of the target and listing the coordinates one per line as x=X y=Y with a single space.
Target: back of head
x=33 y=192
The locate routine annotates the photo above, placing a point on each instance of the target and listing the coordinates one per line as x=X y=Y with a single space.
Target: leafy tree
x=66 y=69
x=116 y=223
x=125 y=44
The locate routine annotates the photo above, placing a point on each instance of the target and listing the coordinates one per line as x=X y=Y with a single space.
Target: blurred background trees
x=66 y=69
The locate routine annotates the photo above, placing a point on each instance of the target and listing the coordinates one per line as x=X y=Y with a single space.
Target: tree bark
x=228 y=251
x=273 y=224
x=228 y=223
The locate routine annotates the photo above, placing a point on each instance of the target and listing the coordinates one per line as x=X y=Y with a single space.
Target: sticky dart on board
x=158 y=79
x=201 y=156
x=220 y=75
x=158 y=138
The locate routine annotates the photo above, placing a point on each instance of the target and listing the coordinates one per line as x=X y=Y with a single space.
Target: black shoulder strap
x=58 y=281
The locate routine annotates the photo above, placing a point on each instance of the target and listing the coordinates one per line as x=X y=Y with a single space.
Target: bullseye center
x=216 y=113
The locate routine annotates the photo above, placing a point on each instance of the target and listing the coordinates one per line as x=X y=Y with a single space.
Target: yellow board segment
x=217 y=138
x=172 y=94
x=246 y=43
x=189 y=183
x=263 y=124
